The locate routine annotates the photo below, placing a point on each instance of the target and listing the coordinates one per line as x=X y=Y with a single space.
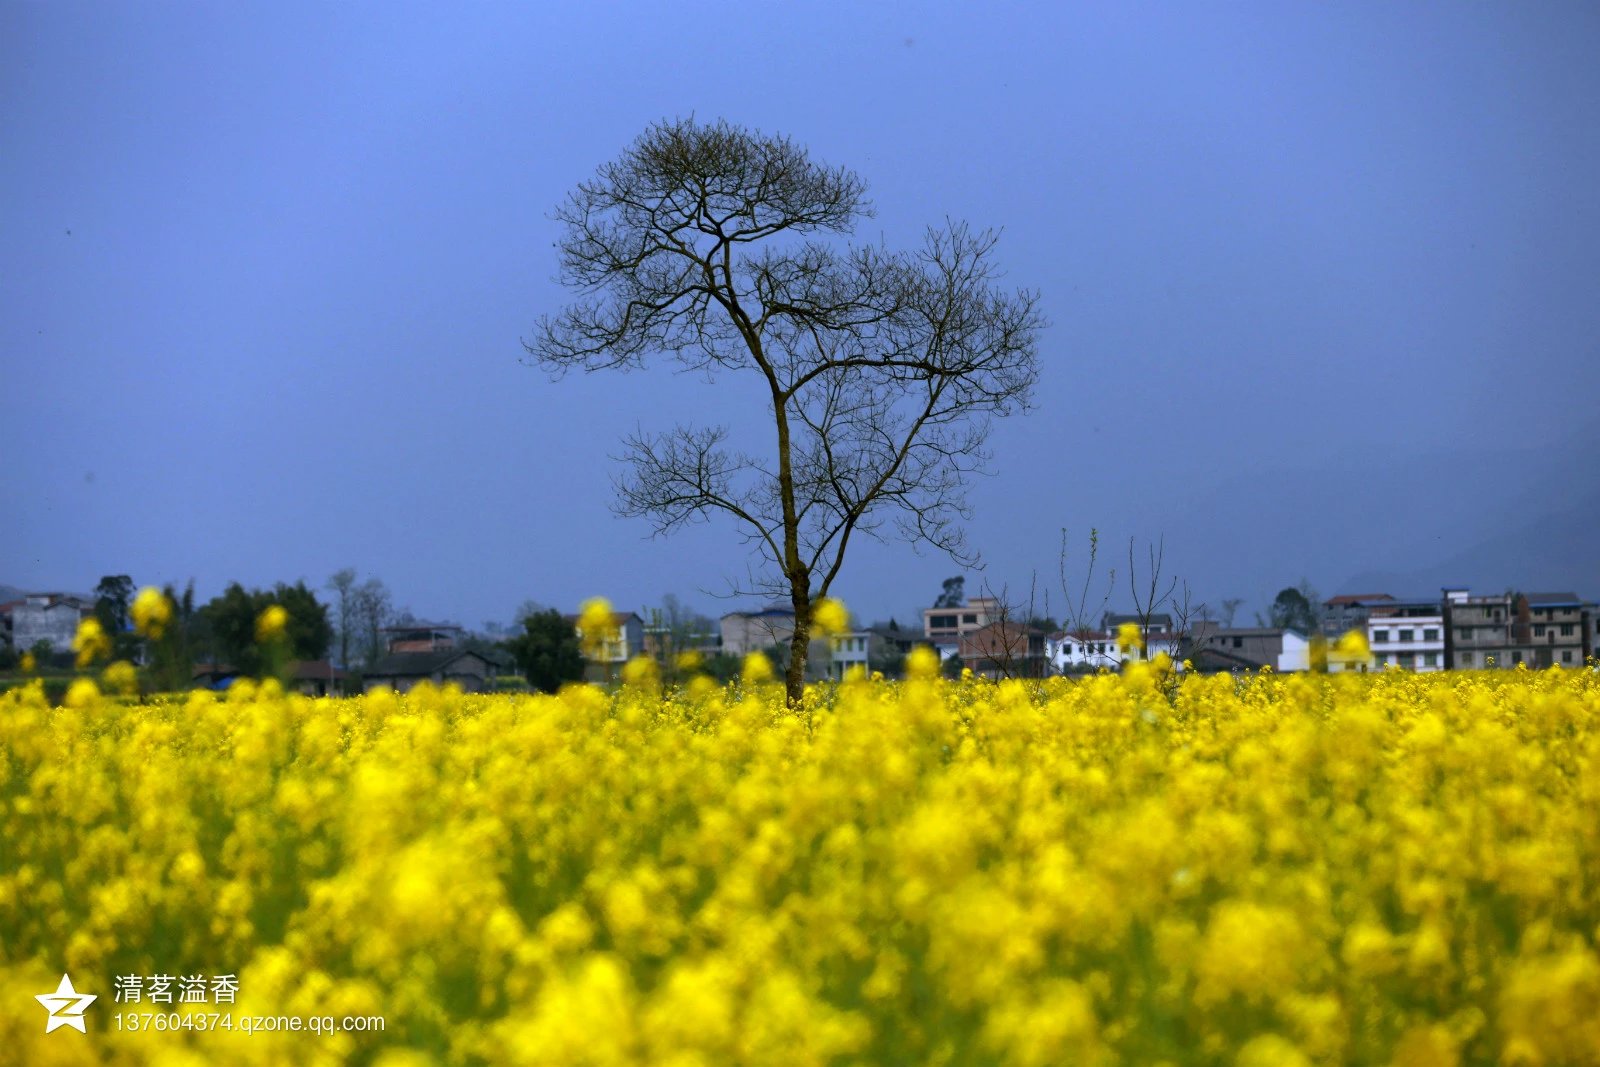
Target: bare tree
x=880 y=369
x=373 y=610
x=1080 y=621
x=1013 y=643
x=342 y=584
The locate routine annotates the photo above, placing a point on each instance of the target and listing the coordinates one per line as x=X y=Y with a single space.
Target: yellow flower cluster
x=829 y=616
x=272 y=623
x=1309 y=869
x=597 y=628
x=152 y=611
x=91 y=642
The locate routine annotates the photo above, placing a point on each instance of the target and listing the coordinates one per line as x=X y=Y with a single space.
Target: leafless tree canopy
x=718 y=247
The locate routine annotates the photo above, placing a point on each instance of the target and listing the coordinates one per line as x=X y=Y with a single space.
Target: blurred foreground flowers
x=1345 y=869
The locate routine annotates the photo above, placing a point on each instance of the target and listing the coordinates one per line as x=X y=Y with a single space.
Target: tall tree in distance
x=373 y=609
x=113 y=597
x=342 y=584
x=954 y=595
x=1293 y=609
x=547 y=650
x=232 y=617
x=880 y=369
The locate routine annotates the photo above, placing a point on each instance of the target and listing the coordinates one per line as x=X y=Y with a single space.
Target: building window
x=1464 y=659
x=1538 y=631
x=942 y=622
x=1430 y=659
x=1380 y=637
x=1407 y=635
x=1430 y=633
x=1238 y=642
x=1566 y=655
x=1408 y=660
x=1566 y=629
x=969 y=619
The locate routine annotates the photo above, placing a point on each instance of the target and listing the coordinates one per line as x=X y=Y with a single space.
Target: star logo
x=65 y=1006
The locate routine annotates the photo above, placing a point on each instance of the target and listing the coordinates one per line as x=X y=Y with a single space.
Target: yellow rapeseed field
x=1344 y=869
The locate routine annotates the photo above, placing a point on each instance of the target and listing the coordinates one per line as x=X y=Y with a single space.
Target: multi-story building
x=665 y=641
x=849 y=650
x=744 y=632
x=1480 y=631
x=1004 y=650
x=625 y=641
x=945 y=627
x=1558 y=629
x=1159 y=623
x=1407 y=634
x=411 y=637
x=1350 y=611
x=48 y=617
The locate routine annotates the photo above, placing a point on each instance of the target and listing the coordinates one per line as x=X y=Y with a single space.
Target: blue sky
x=1321 y=281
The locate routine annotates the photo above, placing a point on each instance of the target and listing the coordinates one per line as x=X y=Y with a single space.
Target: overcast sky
x=1322 y=282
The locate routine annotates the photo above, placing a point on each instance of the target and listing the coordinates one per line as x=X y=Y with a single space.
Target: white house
x=51 y=617
x=848 y=650
x=1090 y=650
x=1407 y=634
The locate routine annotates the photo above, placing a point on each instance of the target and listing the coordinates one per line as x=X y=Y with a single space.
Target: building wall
x=1556 y=636
x=745 y=632
x=1478 y=629
x=847 y=651
x=1262 y=646
x=945 y=627
x=1294 y=653
x=1414 y=642
x=38 y=619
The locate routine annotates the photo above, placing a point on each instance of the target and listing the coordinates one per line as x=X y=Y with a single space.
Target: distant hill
x=1488 y=518
x=1554 y=552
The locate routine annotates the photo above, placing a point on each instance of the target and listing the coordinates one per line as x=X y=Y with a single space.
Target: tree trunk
x=800 y=643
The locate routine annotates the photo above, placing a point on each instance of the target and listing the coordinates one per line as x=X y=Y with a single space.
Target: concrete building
x=744 y=632
x=1479 y=630
x=945 y=627
x=421 y=637
x=1082 y=650
x=848 y=651
x=1214 y=648
x=1004 y=650
x=1558 y=629
x=1350 y=611
x=48 y=617
x=1091 y=650
x=625 y=642
x=469 y=670
x=1407 y=634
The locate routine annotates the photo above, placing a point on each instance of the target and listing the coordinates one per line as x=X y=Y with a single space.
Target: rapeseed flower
x=1129 y=638
x=829 y=617
x=152 y=612
x=1278 y=869
x=271 y=624
x=90 y=642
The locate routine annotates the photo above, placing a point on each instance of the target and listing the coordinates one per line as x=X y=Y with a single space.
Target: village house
x=51 y=618
x=1407 y=633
